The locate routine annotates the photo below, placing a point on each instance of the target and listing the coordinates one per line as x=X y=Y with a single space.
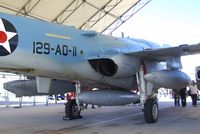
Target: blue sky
x=171 y=22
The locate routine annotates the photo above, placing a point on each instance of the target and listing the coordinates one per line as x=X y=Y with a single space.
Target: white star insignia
x=9 y=35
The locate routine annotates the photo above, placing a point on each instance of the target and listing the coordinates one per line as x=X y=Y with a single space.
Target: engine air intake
x=105 y=67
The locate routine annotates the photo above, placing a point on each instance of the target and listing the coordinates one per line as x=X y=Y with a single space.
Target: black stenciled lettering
x=75 y=51
x=58 y=50
x=34 y=47
x=65 y=50
x=38 y=47
x=47 y=48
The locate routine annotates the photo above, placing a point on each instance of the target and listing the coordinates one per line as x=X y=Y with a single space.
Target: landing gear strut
x=147 y=98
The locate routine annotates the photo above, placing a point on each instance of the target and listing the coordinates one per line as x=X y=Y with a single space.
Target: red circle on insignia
x=3 y=37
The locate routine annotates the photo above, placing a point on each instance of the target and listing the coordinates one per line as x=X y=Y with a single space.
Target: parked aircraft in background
x=197 y=76
x=116 y=66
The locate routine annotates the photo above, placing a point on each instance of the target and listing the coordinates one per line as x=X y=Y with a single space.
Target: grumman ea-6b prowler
x=116 y=66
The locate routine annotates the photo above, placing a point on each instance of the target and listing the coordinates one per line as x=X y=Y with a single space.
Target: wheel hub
x=155 y=111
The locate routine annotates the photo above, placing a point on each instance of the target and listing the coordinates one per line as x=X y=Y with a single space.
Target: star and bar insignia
x=8 y=37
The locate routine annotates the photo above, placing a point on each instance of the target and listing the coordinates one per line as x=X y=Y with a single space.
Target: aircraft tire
x=151 y=110
x=71 y=110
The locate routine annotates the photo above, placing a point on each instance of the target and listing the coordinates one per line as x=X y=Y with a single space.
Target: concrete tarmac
x=105 y=120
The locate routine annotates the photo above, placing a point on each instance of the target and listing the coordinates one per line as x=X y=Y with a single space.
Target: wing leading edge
x=162 y=53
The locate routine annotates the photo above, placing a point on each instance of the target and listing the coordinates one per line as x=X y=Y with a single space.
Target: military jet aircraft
x=116 y=66
x=197 y=76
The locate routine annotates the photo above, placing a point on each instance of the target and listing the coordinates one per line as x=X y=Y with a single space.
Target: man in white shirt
x=194 y=93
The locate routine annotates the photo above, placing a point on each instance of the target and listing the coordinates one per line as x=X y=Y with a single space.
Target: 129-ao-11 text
x=46 y=48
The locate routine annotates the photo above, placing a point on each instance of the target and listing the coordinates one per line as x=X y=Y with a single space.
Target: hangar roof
x=99 y=15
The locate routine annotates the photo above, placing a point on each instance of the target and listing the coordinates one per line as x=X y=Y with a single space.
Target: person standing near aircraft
x=194 y=92
x=176 y=98
x=183 y=95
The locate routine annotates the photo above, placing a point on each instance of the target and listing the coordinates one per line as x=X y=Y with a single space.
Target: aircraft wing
x=162 y=53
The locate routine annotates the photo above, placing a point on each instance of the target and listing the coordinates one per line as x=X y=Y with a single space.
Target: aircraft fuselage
x=62 y=52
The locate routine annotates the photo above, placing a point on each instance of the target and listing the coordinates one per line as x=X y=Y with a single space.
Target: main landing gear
x=72 y=107
x=147 y=98
x=151 y=110
x=72 y=111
